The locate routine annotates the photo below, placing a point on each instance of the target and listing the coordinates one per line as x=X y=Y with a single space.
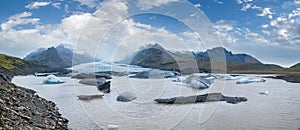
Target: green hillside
x=11 y=66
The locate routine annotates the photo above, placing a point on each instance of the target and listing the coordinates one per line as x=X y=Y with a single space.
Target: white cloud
x=265 y=11
x=89 y=3
x=148 y=4
x=265 y=26
x=245 y=7
x=19 y=19
x=270 y=17
x=297 y=2
x=255 y=37
x=294 y=13
x=266 y=32
x=36 y=5
x=226 y=31
x=256 y=7
x=56 y=5
x=198 y=5
x=239 y=1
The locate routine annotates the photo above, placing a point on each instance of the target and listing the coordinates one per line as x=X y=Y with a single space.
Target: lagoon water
x=278 y=110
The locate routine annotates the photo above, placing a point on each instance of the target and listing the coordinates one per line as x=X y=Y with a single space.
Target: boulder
x=52 y=79
x=91 y=76
x=209 y=97
x=93 y=82
x=126 y=96
x=105 y=88
x=89 y=97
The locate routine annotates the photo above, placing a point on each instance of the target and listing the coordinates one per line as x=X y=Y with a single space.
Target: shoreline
x=22 y=108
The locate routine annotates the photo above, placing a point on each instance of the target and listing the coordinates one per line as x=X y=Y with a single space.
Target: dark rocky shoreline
x=22 y=108
x=287 y=78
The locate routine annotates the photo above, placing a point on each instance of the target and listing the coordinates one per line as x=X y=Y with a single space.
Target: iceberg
x=52 y=79
x=198 y=82
x=230 y=77
x=246 y=80
x=264 y=93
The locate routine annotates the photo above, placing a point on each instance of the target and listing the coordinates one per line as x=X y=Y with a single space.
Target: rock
x=103 y=75
x=93 y=82
x=4 y=77
x=52 y=79
x=22 y=109
x=126 y=96
x=105 y=88
x=201 y=98
x=292 y=78
x=89 y=97
x=92 y=76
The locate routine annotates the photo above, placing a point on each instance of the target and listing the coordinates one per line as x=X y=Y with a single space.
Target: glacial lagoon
x=277 y=110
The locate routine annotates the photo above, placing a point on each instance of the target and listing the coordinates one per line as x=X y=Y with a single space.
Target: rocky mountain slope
x=23 y=109
x=11 y=66
x=61 y=56
x=295 y=67
x=155 y=56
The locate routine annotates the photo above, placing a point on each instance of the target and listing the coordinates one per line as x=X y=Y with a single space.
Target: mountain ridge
x=62 y=56
x=191 y=62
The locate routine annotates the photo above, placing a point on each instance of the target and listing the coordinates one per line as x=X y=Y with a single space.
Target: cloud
x=239 y=1
x=245 y=7
x=56 y=5
x=36 y=5
x=265 y=11
x=198 y=5
x=285 y=29
x=89 y=3
x=148 y=4
x=226 y=31
x=265 y=26
x=255 y=37
x=19 y=19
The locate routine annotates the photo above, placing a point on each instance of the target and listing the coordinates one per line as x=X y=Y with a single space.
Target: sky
x=269 y=30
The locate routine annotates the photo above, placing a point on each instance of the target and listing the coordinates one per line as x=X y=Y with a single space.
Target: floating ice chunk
x=230 y=77
x=246 y=80
x=52 y=79
x=197 y=82
x=264 y=93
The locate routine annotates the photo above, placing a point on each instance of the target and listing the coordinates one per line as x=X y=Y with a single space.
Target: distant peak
x=156 y=46
x=66 y=46
x=218 y=49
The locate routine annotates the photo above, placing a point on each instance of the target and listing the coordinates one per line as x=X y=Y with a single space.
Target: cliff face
x=23 y=109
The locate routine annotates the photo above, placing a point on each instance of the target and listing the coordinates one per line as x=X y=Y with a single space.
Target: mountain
x=11 y=66
x=155 y=56
x=218 y=54
x=62 y=56
x=152 y=56
x=295 y=67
